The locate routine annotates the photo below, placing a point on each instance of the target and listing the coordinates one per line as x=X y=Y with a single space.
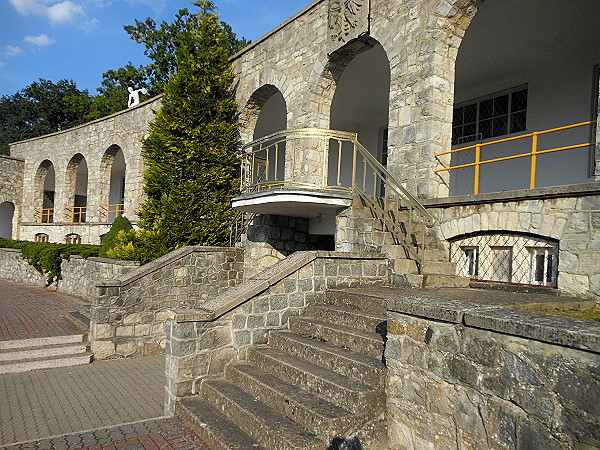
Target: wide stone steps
x=362 y=368
x=263 y=423
x=320 y=417
x=368 y=343
x=359 y=320
x=357 y=301
x=331 y=386
x=23 y=355
x=213 y=427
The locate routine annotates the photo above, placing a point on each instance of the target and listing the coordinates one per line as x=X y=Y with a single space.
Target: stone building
x=485 y=112
x=69 y=186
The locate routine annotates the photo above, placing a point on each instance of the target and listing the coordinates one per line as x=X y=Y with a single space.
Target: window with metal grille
x=490 y=116
x=543 y=266
x=41 y=237
x=73 y=238
x=506 y=257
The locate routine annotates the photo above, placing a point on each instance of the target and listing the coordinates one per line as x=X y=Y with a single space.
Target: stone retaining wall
x=201 y=342
x=128 y=314
x=464 y=375
x=79 y=275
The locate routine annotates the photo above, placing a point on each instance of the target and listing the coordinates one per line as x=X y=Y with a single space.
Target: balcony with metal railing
x=44 y=215
x=76 y=214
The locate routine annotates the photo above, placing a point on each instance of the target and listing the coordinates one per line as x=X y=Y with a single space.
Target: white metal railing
x=337 y=161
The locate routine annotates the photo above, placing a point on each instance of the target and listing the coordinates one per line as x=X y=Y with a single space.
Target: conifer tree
x=190 y=153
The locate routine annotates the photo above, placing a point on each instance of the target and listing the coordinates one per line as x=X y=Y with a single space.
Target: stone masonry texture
x=11 y=186
x=128 y=315
x=463 y=375
x=197 y=349
x=93 y=141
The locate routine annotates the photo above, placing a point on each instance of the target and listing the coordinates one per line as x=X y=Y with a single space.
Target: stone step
x=439 y=268
x=25 y=365
x=357 y=301
x=359 y=367
x=312 y=413
x=80 y=320
x=432 y=281
x=331 y=386
x=44 y=351
x=38 y=342
x=368 y=343
x=212 y=427
x=269 y=428
x=340 y=315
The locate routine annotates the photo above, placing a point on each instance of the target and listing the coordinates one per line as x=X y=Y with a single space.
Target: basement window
x=41 y=237
x=543 y=266
x=73 y=238
x=490 y=116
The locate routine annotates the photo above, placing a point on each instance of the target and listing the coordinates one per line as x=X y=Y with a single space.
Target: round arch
x=111 y=183
x=44 y=186
x=76 y=187
x=7 y=212
x=270 y=100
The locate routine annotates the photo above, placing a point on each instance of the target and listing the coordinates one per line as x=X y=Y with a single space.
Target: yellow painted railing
x=45 y=215
x=76 y=214
x=533 y=153
x=110 y=212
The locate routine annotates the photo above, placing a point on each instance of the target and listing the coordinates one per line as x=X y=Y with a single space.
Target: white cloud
x=57 y=12
x=11 y=50
x=41 y=40
x=64 y=12
x=156 y=6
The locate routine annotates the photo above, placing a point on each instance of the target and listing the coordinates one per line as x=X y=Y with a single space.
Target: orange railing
x=533 y=153
x=76 y=214
x=45 y=215
x=110 y=212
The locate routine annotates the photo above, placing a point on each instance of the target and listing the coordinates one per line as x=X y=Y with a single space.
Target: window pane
x=470 y=130
x=500 y=125
x=457 y=118
x=485 y=129
x=470 y=113
x=456 y=134
x=486 y=109
x=519 y=101
x=540 y=258
x=518 y=122
x=501 y=105
x=501 y=263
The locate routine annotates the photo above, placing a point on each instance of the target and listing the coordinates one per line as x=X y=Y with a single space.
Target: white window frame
x=471 y=267
x=550 y=266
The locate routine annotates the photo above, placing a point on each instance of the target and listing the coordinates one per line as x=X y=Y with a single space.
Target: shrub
x=143 y=245
x=47 y=257
x=121 y=223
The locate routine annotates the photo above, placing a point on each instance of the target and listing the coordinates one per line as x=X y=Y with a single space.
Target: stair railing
x=264 y=159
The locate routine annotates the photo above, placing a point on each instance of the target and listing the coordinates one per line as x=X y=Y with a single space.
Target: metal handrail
x=533 y=153
x=250 y=150
x=76 y=213
x=107 y=210
x=45 y=215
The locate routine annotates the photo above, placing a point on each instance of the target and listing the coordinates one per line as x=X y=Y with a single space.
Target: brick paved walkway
x=27 y=311
x=161 y=433
x=57 y=401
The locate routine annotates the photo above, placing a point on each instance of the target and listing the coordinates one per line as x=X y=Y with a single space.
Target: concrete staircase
x=314 y=386
x=23 y=355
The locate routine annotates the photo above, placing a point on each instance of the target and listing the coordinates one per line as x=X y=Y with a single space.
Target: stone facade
x=465 y=375
x=79 y=275
x=96 y=143
x=11 y=187
x=200 y=343
x=128 y=314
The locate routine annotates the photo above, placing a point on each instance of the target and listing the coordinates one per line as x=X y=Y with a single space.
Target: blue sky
x=81 y=39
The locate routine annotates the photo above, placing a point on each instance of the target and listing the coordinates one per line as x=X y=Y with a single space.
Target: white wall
x=552 y=49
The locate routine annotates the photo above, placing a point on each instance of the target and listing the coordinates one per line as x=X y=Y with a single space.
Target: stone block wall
x=569 y=214
x=463 y=375
x=79 y=275
x=128 y=314
x=11 y=187
x=200 y=343
x=271 y=238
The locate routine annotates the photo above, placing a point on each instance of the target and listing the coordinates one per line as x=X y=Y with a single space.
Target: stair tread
x=341 y=328
x=41 y=341
x=203 y=419
x=41 y=347
x=45 y=358
x=357 y=312
x=293 y=393
x=334 y=349
x=315 y=370
x=295 y=436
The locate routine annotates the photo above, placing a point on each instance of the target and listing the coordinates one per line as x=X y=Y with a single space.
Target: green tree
x=120 y=223
x=190 y=153
x=42 y=107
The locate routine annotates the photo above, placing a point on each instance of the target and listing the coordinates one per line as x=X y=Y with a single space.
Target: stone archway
x=111 y=183
x=44 y=186
x=7 y=212
x=76 y=188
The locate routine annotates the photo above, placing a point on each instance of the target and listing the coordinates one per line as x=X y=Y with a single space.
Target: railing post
x=354 y=166
x=477 y=168
x=276 y=161
x=534 y=145
x=339 y=165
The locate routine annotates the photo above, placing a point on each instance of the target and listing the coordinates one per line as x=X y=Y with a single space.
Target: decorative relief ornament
x=347 y=20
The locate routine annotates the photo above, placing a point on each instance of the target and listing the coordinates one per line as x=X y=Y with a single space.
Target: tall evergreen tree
x=190 y=153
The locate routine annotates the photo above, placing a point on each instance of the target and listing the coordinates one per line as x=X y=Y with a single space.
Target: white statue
x=134 y=96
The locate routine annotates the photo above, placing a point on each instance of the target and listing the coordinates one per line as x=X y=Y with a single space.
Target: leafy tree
x=42 y=107
x=190 y=153
x=120 y=223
